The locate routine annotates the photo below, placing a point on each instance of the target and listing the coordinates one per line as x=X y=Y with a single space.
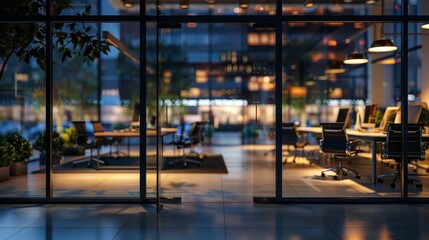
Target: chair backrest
x=81 y=132
x=289 y=134
x=334 y=138
x=196 y=132
x=393 y=145
x=98 y=127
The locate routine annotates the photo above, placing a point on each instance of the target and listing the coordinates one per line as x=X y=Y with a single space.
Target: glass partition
x=22 y=110
x=94 y=108
x=418 y=98
x=333 y=74
x=218 y=78
x=341 y=7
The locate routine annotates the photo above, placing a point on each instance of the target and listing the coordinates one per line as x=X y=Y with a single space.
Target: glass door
x=217 y=93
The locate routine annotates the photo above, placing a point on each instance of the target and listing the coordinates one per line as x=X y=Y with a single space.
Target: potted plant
x=57 y=148
x=4 y=164
x=69 y=146
x=16 y=150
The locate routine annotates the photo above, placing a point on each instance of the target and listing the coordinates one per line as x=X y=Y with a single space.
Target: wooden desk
x=135 y=133
x=372 y=137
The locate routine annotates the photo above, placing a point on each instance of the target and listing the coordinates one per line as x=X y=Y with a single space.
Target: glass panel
x=418 y=98
x=22 y=109
x=341 y=7
x=418 y=7
x=212 y=7
x=93 y=110
x=324 y=83
x=23 y=8
x=221 y=76
x=97 y=7
x=152 y=156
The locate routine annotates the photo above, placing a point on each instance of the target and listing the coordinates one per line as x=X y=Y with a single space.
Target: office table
x=128 y=133
x=372 y=137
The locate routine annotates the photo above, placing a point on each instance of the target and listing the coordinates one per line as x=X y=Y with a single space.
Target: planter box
x=56 y=160
x=73 y=151
x=4 y=173
x=18 y=168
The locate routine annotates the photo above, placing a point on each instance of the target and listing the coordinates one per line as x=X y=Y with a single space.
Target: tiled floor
x=214 y=221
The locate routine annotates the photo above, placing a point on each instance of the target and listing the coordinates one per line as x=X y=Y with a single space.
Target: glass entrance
x=217 y=91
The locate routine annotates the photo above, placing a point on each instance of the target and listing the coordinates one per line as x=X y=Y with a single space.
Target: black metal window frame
x=277 y=20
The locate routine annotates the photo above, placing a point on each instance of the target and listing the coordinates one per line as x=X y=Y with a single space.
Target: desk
x=127 y=133
x=373 y=137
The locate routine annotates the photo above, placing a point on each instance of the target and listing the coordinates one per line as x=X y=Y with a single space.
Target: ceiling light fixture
x=335 y=67
x=356 y=58
x=112 y=40
x=184 y=4
x=371 y=1
x=382 y=45
x=425 y=26
x=128 y=3
x=309 y=3
x=244 y=4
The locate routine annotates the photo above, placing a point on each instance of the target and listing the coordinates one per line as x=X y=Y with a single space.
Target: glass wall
x=118 y=134
x=220 y=76
x=331 y=73
x=22 y=110
x=92 y=98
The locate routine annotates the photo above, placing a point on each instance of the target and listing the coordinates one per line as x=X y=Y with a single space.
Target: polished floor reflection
x=214 y=221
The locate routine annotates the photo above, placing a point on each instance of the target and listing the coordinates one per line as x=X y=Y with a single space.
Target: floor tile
x=280 y=233
x=65 y=233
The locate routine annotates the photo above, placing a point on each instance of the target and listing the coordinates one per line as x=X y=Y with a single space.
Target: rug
x=210 y=164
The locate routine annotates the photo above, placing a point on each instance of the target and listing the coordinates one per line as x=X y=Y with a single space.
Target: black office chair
x=102 y=141
x=392 y=149
x=335 y=141
x=190 y=140
x=290 y=137
x=83 y=139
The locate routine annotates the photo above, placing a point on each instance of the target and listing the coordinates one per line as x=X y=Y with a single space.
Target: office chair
x=290 y=137
x=392 y=149
x=335 y=141
x=190 y=140
x=83 y=139
x=103 y=141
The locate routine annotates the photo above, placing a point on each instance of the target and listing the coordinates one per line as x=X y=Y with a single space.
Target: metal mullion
x=278 y=106
x=404 y=102
x=143 y=89
x=49 y=103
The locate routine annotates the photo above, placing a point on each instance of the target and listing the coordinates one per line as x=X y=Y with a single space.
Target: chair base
x=397 y=176
x=340 y=171
x=187 y=159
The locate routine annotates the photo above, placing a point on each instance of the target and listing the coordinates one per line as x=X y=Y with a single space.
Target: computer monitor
x=135 y=122
x=369 y=116
x=388 y=117
x=414 y=112
x=344 y=115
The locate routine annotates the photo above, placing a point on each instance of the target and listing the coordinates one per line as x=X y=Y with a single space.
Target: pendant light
x=243 y=4
x=356 y=57
x=184 y=4
x=382 y=45
x=309 y=3
x=335 y=67
x=425 y=26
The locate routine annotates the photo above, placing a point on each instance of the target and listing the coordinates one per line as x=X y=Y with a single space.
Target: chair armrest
x=354 y=145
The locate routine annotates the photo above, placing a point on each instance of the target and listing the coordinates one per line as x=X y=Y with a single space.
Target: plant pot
x=73 y=151
x=18 y=168
x=56 y=160
x=4 y=173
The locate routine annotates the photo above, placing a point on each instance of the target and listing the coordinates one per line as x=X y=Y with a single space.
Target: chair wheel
x=357 y=176
x=392 y=185
x=335 y=177
x=419 y=186
x=323 y=174
x=380 y=180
